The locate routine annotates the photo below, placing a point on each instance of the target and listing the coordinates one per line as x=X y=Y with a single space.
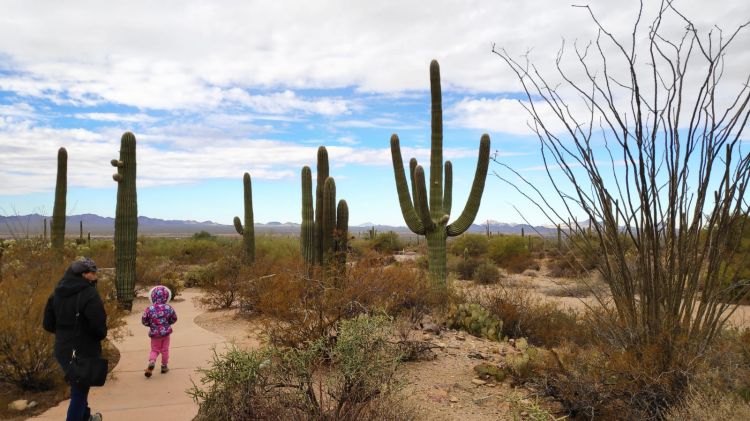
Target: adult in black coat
x=77 y=288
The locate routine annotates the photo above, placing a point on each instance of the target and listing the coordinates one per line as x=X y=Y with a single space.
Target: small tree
x=654 y=161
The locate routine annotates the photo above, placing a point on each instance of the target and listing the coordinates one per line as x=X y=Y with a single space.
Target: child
x=159 y=317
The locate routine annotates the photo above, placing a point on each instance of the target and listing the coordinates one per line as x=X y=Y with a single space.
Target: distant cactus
x=44 y=226
x=248 y=231
x=80 y=239
x=326 y=235
x=126 y=221
x=429 y=216
x=58 y=212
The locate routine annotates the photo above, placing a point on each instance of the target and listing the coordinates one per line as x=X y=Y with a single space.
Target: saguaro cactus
x=322 y=237
x=58 y=211
x=429 y=216
x=126 y=221
x=248 y=231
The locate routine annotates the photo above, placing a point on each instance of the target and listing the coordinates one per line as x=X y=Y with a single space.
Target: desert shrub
x=306 y=303
x=465 y=268
x=222 y=282
x=709 y=404
x=149 y=270
x=172 y=280
x=276 y=248
x=26 y=350
x=102 y=252
x=526 y=316
x=354 y=380
x=203 y=235
x=486 y=273
x=387 y=242
x=198 y=275
x=475 y=245
x=510 y=252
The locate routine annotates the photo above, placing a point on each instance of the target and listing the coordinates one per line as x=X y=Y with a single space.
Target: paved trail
x=132 y=397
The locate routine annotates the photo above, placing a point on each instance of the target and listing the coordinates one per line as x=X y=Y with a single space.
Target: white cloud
x=115 y=117
x=180 y=54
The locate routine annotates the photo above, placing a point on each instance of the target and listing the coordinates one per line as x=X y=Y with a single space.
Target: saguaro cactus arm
x=329 y=217
x=307 y=230
x=422 y=210
x=323 y=170
x=238 y=226
x=448 y=188
x=342 y=226
x=436 y=147
x=407 y=208
x=415 y=197
x=477 y=188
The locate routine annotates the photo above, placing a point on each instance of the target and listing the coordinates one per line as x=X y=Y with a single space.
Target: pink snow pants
x=160 y=346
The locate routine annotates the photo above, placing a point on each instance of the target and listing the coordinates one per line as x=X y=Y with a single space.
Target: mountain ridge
x=33 y=224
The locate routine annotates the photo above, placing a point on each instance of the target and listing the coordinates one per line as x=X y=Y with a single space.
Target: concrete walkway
x=129 y=396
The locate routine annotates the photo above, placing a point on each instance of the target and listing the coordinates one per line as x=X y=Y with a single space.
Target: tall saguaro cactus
x=126 y=221
x=58 y=211
x=325 y=235
x=248 y=231
x=429 y=216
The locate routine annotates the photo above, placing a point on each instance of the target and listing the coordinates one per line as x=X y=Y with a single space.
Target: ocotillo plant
x=58 y=212
x=248 y=231
x=126 y=221
x=431 y=218
x=326 y=235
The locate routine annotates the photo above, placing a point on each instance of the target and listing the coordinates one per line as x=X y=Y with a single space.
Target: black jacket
x=60 y=316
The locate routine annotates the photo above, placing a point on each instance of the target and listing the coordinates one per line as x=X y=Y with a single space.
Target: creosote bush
x=306 y=303
x=486 y=273
x=355 y=379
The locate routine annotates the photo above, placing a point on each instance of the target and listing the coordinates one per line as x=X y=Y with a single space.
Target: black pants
x=78 y=410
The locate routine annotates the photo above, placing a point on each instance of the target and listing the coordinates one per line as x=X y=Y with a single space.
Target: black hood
x=71 y=284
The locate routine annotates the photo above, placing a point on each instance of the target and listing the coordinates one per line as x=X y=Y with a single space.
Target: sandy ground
x=443 y=388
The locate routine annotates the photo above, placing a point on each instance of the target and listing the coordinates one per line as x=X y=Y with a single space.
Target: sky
x=213 y=89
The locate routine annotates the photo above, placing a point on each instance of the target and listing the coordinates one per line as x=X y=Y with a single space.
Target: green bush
x=222 y=282
x=486 y=273
x=475 y=245
x=356 y=379
x=203 y=235
x=505 y=247
x=387 y=242
x=466 y=267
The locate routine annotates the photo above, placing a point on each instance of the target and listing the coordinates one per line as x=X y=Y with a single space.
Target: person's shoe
x=149 y=370
x=96 y=417
x=164 y=369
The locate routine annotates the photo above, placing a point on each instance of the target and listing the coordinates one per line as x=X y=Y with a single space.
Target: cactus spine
x=429 y=216
x=58 y=212
x=248 y=231
x=126 y=221
x=325 y=235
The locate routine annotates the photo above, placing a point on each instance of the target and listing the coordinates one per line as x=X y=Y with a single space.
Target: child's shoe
x=149 y=370
x=164 y=369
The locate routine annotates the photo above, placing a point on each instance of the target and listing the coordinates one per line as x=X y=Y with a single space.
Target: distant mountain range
x=33 y=224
